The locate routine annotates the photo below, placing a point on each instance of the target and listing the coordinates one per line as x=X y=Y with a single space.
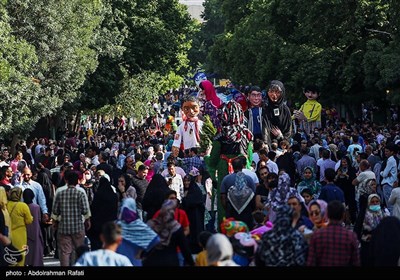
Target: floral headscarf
x=372 y=218
x=312 y=184
x=233 y=128
x=283 y=245
x=280 y=195
x=165 y=224
x=323 y=206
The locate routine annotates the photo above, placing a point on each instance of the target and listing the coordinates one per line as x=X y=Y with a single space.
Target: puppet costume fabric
x=189 y=133
x=312 y=111
x=234 y=140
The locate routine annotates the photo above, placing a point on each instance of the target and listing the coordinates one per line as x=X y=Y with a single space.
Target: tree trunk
x=77 y=122
x=14 y=142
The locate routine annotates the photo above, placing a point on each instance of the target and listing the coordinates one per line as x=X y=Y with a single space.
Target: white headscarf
x=219 y=251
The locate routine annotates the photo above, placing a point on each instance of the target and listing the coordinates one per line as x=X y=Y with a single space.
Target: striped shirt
x=70 y=204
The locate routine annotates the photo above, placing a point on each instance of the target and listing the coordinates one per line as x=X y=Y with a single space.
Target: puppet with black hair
x=254 y=112
x=188 y=134
x=309 y=114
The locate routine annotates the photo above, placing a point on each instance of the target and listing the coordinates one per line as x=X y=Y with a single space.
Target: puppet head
x=276 y=92
x=312 y=92
x=190 y=106
x=255 y=97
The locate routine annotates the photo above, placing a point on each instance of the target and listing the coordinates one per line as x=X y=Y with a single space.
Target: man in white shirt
x=389 y=174
x=174 y=180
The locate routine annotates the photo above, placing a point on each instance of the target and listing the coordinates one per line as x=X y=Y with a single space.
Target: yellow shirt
x=312 y=110
x=201 y=259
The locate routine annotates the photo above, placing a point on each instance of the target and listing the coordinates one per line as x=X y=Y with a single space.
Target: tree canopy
x=348 y=48
x=65 y=56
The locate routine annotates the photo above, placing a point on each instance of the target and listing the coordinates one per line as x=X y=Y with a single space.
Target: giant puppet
x=188 y=134
x=254 y=112
x=277 y=120
x=233 y=140
x=309 y=114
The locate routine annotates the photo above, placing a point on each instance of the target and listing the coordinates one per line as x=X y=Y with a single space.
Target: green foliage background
x=65 y=57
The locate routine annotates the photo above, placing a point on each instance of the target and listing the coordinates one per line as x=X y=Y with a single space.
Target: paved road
x=50 y=261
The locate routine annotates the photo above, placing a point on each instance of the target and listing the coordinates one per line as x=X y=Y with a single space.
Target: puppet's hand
x=299 y=115
x=276 y=132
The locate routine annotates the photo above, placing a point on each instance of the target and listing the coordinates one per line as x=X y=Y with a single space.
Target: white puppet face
x=255 y=98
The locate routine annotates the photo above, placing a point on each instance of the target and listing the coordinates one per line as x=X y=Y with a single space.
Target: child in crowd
x=201 y=258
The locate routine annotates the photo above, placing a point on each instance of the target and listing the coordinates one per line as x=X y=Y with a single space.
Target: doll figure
x=309 y=114
x=212 y=103
x=277 y=121
x=254 y=112
x=188 y=134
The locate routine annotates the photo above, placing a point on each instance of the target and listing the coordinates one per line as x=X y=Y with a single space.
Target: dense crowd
x=321 y=194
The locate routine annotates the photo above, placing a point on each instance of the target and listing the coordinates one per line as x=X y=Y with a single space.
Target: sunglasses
x=314 y=213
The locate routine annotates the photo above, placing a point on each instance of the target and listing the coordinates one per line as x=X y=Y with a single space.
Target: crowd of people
x=270 y=188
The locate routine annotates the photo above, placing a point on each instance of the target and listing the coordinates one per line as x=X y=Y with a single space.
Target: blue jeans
x=387 y=190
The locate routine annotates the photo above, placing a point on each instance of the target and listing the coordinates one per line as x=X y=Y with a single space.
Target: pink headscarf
x=150 y=174
x=210 y=93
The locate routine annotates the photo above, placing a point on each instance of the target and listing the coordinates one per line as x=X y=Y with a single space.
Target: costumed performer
x=234 y=140
x=277 y=120
x=188 y=134
x=254 y=112
x=309 y=114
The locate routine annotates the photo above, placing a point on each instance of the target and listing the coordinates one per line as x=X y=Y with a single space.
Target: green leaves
x=48 y=52
x=138 y=94
x=348 y=48
x=85 y=54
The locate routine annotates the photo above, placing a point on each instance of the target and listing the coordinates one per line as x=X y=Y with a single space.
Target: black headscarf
x=385 y=245
x=105 y=204
x=28 y=196
x=155 y=195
